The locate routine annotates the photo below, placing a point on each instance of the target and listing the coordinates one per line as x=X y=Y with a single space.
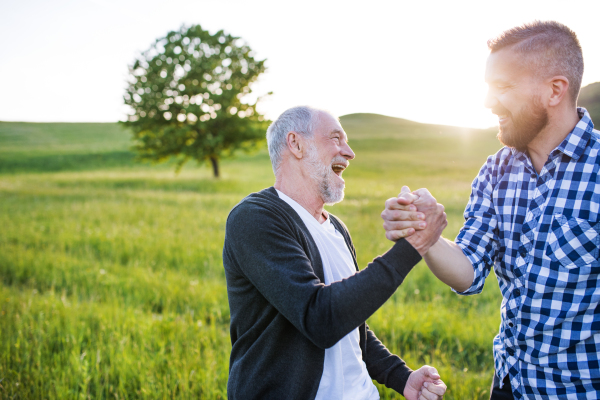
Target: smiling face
x=514 y=95
x=328 y=155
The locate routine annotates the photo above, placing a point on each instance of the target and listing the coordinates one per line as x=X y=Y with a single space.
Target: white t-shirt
x=345 y=374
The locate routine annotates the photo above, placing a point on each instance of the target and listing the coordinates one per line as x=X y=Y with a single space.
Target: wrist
x=407 y=377
x=417 y=244
x=433 y=248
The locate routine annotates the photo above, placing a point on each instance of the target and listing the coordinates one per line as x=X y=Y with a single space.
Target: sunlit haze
x=68 y=60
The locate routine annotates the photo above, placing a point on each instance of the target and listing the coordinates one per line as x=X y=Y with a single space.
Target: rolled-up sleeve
x=478 y=238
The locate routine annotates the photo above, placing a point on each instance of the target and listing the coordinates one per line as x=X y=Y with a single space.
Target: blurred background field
x=112 y=283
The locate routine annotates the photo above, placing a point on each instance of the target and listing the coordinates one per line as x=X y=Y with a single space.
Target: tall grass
x=111 y=279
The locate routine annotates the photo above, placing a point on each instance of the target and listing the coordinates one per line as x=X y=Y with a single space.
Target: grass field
x=112 y=283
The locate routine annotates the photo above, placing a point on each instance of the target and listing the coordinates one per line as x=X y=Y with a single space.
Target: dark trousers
x=501 y=394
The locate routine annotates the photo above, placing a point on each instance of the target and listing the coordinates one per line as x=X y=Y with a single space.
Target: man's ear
x=559 y=86
x=295 y=144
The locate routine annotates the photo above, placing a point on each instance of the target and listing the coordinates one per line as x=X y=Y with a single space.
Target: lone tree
x=186 y=94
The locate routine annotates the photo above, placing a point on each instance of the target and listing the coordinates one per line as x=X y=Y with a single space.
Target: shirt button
x=517 y=292
x=523 y=252
x=511 y=351
x=511 y=324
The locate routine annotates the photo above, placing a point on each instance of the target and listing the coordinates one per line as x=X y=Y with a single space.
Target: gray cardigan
x=283 y=316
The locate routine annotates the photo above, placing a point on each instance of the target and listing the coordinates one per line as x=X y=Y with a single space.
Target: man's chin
x=334 y=198
x=507 y=140
x=503 y=137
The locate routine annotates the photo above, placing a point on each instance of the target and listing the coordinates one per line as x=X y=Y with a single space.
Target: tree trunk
x=215 y=164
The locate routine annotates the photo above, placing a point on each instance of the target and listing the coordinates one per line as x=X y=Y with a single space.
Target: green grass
x=111 y=278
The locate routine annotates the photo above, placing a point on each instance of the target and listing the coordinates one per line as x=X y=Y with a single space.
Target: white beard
x=330 y=188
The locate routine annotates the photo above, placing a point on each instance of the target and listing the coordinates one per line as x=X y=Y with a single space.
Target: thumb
x=405 y=189
x=406 y=197
x=432 y=373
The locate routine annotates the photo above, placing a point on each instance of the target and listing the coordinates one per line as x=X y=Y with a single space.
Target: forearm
x=383 y=366
x=342 y=306
x=450 y=265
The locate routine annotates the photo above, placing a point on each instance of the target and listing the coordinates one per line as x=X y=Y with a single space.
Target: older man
x=534 y=216
x=298 y=303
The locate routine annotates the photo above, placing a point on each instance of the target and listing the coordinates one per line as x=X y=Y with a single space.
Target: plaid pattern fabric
x=574 y=241
x=540 y=233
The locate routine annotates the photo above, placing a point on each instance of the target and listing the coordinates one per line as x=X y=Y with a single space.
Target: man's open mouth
x=502 y=119
x=338 y=168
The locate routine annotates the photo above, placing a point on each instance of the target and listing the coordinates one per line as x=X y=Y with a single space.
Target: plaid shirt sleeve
x=478 y=238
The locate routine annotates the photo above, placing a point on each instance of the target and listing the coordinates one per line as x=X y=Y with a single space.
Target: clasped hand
x=424 y=384
x=416 y=216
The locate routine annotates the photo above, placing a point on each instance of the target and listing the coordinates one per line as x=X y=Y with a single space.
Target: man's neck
x=558 y=128
x=305 y=194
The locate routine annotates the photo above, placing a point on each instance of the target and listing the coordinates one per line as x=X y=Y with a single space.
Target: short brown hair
x=550 y=48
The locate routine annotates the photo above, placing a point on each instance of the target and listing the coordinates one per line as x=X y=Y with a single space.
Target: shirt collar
x=575 y=142
x=303 y=212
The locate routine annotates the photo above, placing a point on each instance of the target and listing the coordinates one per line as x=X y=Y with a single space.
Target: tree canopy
x=188 y=94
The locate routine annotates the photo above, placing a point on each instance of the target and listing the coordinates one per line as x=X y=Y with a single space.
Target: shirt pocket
x=573 y=241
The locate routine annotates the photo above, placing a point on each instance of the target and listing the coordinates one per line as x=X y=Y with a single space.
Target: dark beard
x=525 y=126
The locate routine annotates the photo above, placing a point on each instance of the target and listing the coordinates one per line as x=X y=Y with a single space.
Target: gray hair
x=301 y=120
x=550 y=48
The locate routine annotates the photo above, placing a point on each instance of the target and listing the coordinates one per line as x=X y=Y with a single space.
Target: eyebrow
x=498 y=81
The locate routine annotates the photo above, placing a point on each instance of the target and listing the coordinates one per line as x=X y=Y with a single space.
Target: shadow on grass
x=18 y=163
x=193 y=185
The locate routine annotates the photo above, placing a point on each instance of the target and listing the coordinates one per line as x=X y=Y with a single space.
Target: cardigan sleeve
x=383 y=366
x=266 y=251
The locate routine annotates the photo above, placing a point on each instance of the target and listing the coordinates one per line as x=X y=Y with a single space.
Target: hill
x=49 y=147
x=381 y=126
x=53 y=147
x=589 y=97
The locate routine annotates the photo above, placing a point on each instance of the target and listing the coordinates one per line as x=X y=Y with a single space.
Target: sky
x=67 y=60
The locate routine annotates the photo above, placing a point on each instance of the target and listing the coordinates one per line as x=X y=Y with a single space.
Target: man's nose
x=347 y=152
x=490 y=100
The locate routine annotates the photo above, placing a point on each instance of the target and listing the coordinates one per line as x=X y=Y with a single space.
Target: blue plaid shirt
x=541 y=233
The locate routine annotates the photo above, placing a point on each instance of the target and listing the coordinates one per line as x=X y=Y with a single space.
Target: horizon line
x=345 y=115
